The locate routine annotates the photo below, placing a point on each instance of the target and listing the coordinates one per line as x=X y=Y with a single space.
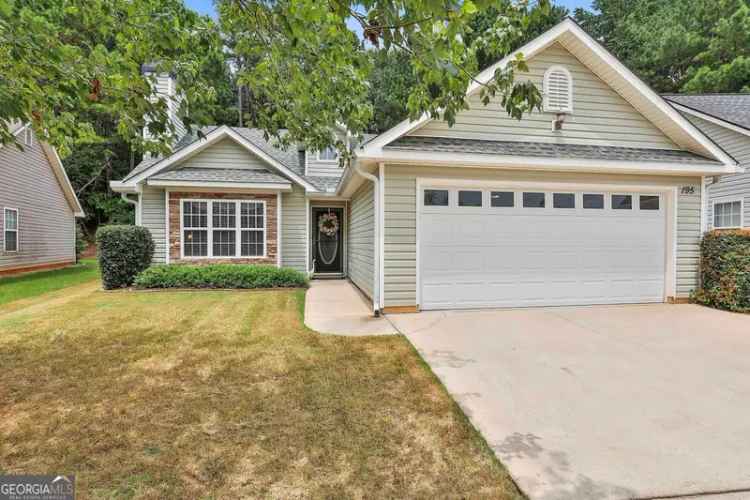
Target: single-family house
x=595 y=199
x=39 y=206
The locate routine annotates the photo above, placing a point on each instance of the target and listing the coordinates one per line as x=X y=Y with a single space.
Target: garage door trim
x=669 y=197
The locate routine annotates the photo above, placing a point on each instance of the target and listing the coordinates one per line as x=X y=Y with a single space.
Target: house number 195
x=688 y=190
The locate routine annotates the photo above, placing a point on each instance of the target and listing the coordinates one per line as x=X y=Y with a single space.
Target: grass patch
x=36 y=283
x=227 y=395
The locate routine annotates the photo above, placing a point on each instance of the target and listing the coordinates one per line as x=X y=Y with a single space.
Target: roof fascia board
x=646 y=91
x=210 y=139
x=275 y=186
x=62 y=177
x=710 y=118
x=461 y=160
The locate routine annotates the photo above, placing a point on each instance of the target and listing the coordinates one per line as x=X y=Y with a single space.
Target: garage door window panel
x=649 y=202
x=593 y=201
x=436 y=197
x=534 y=200
x=502 y=199
x=563 y=200
x=469 y=198
x=622 y=202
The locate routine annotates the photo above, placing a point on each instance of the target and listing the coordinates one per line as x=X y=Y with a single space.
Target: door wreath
x=328 y=224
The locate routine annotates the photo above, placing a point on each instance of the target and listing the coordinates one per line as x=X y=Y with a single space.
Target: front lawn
x=36 y=283
x=226 y=395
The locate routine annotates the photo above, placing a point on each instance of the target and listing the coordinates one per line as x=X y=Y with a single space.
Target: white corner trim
x=308 y=238
x=381 y=234
x=278 y=229
x=709 y=118
x=167 y=227
x=704 y=207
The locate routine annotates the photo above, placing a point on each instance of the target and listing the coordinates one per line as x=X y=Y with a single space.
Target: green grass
x=33 y=284
x=226 y=395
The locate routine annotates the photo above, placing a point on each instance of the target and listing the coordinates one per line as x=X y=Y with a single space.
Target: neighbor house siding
x=401 y=220
x=153 y=217
x=600 y=115
x=294 y=229
x=46 y=225
x=728 y=186
x=225 y=154
x=361 y=236
x=322 y=168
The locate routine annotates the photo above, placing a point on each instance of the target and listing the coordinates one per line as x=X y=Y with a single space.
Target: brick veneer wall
x=175 y=212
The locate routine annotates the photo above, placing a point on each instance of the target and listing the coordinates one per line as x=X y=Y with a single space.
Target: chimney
x=165 y=88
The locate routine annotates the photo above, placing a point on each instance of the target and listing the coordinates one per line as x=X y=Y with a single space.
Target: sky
x=207 y=6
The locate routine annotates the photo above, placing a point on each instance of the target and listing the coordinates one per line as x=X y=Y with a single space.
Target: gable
x=226 y=154
x=734 y=143
x=600 y=115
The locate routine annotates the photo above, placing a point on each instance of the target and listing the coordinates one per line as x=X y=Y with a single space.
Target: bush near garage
x=725 y=270
x=220 y=276
x=124 y=252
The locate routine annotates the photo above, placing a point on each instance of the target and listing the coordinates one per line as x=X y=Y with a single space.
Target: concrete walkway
x=604 y=402
x=337 y=307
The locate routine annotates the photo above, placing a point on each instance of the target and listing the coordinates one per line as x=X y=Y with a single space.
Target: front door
x=327 y=240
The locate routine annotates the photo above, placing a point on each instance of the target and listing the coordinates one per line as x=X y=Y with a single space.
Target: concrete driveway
x=641 y=401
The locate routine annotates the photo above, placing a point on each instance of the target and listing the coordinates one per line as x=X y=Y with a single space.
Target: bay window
x=223 y=228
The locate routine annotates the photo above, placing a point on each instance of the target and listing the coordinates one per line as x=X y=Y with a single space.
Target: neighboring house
x=725 y=118
x=39 y=206
x=595 y=200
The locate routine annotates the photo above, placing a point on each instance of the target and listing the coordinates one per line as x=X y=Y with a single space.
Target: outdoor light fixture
x=557 y=123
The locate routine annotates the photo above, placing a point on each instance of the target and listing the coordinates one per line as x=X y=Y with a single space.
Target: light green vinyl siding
x=225 y=154
x=361 y=236
x=153 y=217
x=728 y=186
x=400 y=257
x=293 y=229
x=600 y=115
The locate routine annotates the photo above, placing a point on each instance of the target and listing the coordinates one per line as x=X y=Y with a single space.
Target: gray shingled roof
x=327 y=184
x=546 y=150
x=244 y=175
x=733 y=108
x=290 y=157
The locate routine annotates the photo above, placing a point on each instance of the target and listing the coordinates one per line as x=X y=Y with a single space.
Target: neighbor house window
x=223 y=228
x=558 y=90
x=436 y=197
x=328 y=154
x=10 y=229
x=728 y=214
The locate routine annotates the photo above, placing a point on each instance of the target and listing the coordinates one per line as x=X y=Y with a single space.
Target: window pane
x=224 y=244
x=649 y=202
x=251 y=244
x=195 y=214
x=533 y=200
x=622 y=202
x=469 y=198
x=595 y=201
x=501 y=199
x=736 y=214
x=195 y=243
x=11 y=220
x=564 y=200
x=251 y=215
x=11 y=241
x=328 y=154
x=728 y=214
x=224 y=214
x=436 y=197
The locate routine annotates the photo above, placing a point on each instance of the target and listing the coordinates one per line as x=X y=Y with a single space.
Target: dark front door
x=327 y=239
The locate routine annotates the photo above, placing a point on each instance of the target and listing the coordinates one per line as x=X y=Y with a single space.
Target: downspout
x=135 y=203
x=376 y=243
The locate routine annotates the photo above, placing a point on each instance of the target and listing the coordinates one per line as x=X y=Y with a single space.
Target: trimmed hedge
x=219 y=276
x=124 y=251
x=725 y=271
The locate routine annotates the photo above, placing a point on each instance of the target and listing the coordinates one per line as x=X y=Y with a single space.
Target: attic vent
x=558 y=90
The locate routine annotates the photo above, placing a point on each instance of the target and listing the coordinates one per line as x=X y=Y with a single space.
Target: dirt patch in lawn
x=222 y=395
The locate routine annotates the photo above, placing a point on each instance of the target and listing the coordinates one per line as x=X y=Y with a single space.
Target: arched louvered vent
x=558 y=90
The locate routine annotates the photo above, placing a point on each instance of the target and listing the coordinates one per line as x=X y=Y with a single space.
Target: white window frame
x=28 y=136
x=210 y=228
x=724 y=201
x=547 y=74
x=322 y=160
x=6 y=230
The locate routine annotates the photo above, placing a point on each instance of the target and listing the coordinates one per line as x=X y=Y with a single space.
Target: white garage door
x=536 y=247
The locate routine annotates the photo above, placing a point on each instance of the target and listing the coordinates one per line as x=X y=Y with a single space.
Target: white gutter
x=376 y=244
x=136 y=205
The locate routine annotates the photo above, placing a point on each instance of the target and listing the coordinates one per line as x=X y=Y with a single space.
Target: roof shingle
x=732 y=108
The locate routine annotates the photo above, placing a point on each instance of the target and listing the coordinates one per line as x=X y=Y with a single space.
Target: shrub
x=219 y=276
x=725 y=270
x=124 y=251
